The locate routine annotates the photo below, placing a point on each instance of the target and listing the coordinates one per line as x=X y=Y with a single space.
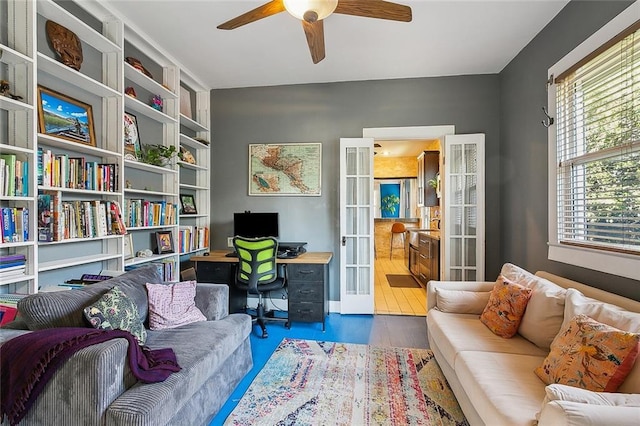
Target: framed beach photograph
x=64 y=117
x=164 y=242
x=188 y=202
x=132 y=145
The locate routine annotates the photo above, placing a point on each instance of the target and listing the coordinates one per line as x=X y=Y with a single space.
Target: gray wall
x=325 y=113
x=523 y=144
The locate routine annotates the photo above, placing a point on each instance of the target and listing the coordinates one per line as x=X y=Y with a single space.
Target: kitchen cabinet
x=428 y=168
x=428 y=257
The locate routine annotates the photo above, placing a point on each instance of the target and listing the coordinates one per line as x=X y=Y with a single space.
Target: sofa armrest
x=558 y=413
x=84 y=386
x=213 y=300
x=480 y=286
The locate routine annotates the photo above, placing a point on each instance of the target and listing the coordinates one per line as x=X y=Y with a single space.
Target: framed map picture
x=285 y=169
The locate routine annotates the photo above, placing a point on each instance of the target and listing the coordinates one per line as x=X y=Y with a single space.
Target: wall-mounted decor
x=66 y=44
x=65 y=117
x=188 y=202
x=285 y=169
x=164 y=242
x=128 y=246
x=131 y=137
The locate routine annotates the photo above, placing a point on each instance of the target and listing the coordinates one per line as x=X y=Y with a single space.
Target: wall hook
x=549 y=120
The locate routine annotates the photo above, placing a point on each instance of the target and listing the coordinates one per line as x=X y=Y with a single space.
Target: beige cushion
x=576 y=304
x=461 y=302
x=545 y=311
x=501 y=387
x=569 y=413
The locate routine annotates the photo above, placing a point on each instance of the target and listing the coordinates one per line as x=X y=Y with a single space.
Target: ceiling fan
x=313 y=12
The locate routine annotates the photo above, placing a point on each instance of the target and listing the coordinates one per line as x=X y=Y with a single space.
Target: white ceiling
x=445 y=38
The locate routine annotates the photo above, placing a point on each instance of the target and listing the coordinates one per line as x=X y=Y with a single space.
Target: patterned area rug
x=307 y=382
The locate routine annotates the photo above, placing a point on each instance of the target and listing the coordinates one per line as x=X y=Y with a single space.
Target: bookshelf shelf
x=136 y=106
x=190 y=123
x=60 y=71
x=75 y=261
x=149 y=167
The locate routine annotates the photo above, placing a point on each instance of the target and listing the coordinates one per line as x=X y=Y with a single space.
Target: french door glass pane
x=456 y=274
x=364 y=161
x=471 y=220
x=470 y=248
x=363 y=251
x=365 y=274
x=351 y=280
x=351 y=190
x=351 y=224
x=351 y=253
x=470 y=274
x=352 y=161
x=456 y=251
x=455 y=217
x=471 y=189
x=456 y=159
x=364 y=194
x=471 y=158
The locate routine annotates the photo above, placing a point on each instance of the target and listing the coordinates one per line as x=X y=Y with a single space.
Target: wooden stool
x=396 y=228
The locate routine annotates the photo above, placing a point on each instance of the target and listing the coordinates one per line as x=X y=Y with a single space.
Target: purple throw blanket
x=27 y=362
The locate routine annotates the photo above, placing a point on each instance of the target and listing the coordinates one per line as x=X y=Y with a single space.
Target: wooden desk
x=307 y=282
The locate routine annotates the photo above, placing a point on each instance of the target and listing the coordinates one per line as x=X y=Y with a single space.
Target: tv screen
x=254 y=225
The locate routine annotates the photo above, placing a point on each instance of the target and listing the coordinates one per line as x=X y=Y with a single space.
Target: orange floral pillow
x=590 y=355
x=505 y=308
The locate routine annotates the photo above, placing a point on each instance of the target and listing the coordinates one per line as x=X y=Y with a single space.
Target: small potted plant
x=157 y=155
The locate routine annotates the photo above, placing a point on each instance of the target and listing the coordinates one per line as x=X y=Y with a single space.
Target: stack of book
x=12 y=266
x=9 y=307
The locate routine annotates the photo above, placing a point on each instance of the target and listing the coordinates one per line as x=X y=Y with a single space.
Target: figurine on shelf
x=5 y=90
x=130 y=91
x=138 y=65
x=156 y=102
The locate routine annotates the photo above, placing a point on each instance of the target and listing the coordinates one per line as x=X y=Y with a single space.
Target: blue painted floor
x=363 y=329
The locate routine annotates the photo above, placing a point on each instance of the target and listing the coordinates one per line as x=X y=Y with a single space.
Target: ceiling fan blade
x=315 y=39
x=264 y=11
x=374 y=9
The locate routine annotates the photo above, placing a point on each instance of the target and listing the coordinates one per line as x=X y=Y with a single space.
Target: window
x=594 y=150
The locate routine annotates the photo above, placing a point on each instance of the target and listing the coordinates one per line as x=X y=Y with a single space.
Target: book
x=45 y=219
x=10 y=177
x=7 y=313
x=56 y=213
x=8 y=225
x=6 y=265
x=12 y=257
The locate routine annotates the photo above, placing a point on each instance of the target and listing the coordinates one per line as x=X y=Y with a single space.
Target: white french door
x=463 y=186
x=356 y=226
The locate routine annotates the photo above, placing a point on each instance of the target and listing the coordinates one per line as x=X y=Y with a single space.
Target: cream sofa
x=493 y=378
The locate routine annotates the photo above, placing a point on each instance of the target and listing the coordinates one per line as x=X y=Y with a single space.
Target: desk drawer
x=306 y=312
x=215 y=272
x=305 y=272
x=301 y=291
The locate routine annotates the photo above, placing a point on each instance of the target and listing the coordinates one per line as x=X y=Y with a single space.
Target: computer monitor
x=254 y=225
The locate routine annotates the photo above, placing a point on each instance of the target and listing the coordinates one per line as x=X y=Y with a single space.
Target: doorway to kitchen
x=398 y=208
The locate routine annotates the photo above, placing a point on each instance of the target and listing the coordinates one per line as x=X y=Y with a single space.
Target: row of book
x=62 y=171
x=12 y=266
x=15 y=224
x=167 y=268
x=139 y=213
x=61 y=220
x=14 y=175
x=192 y=238
x=9 y=307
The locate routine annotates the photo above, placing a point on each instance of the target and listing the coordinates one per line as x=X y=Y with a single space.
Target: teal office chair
x=257 y=273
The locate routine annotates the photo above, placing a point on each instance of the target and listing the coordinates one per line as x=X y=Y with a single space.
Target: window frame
x=612 y=262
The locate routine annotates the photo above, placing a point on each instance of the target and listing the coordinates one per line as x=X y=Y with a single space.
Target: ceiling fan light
x=319 y=9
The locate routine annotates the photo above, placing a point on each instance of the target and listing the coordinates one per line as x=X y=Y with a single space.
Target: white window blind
x=598 y=147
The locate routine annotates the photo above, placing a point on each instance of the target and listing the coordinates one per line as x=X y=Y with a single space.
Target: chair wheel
x=265 y=334
x=287 y=325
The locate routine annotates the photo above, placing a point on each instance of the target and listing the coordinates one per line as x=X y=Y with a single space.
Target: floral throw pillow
x=506 y=306
x=590 y=355
x=173 y=305
x=116 y=311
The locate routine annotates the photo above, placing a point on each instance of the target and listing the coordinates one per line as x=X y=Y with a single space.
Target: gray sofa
x=96 y=387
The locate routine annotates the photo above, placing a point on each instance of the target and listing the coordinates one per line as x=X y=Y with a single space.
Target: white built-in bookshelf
x=104 y=207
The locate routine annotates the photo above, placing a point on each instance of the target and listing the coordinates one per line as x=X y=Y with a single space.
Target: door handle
x=344 y=241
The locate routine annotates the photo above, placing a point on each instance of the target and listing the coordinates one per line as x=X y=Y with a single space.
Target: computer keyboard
x=287 y=255
x=231 y=254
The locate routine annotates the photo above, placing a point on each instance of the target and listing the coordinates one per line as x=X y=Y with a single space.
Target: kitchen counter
x=397 y=219
x=433 y=233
